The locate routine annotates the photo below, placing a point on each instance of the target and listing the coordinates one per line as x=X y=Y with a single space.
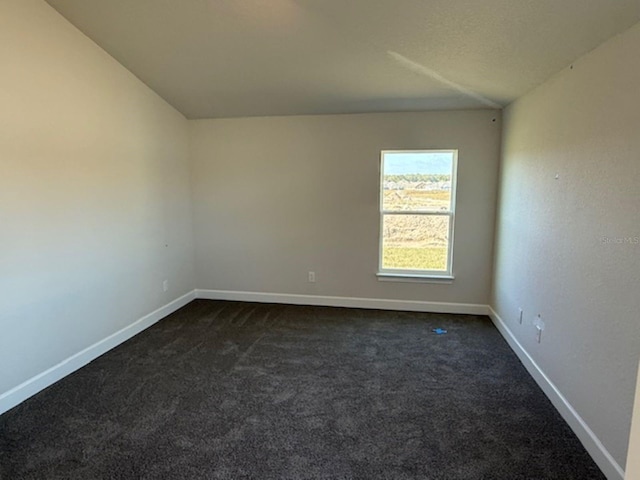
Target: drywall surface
x=632 y=471
x=94 y=194
x=276 y=197
x=568 y=233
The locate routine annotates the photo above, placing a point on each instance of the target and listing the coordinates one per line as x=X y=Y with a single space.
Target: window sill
x=415 y=278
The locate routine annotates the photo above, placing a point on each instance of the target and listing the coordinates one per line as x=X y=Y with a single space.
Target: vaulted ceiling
x=229 y=58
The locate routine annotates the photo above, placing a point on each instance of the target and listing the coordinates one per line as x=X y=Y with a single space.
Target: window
x=417 y=213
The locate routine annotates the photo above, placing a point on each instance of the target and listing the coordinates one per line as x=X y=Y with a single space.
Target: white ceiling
x=229 y=58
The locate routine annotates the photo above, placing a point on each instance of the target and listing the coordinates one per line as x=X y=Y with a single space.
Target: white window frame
x=440 y=276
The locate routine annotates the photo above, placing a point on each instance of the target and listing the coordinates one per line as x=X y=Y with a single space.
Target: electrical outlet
x=165 y=285
x=312 y=277
x=520 y=314
x=539 y=324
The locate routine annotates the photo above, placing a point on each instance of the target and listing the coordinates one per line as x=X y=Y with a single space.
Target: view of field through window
x=416 y=207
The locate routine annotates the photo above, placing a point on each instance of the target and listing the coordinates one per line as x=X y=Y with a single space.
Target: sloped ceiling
x=229 y=58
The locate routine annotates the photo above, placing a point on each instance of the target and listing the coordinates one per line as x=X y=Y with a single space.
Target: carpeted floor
x=226 y=390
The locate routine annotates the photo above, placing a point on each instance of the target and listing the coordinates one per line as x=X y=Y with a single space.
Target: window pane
x=415 y=242
x=417 y=181
x=420 y=199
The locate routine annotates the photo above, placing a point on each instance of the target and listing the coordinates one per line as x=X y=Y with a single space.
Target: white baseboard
x=589 y=440
x=41 y=381
x=350 y=302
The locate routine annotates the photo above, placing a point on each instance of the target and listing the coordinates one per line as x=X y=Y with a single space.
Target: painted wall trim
x=41 y=381
x=589 y=440
x=349 y=302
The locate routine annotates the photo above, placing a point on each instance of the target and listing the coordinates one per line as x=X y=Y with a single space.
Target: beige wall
x=569 y=248
x=276 y=197
x=94 y=194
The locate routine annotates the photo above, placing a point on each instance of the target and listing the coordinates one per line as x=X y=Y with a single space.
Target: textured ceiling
x=229 y=58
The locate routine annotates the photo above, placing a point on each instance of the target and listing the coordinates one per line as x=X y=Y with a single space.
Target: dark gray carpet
x=225 y=390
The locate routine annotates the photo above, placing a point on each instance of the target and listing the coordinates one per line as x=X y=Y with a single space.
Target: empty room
x=319 y=239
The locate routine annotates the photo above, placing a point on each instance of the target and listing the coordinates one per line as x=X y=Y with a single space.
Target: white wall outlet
x=312 y=277
x=520 y=314
x=539 y=324
x=165 y=285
